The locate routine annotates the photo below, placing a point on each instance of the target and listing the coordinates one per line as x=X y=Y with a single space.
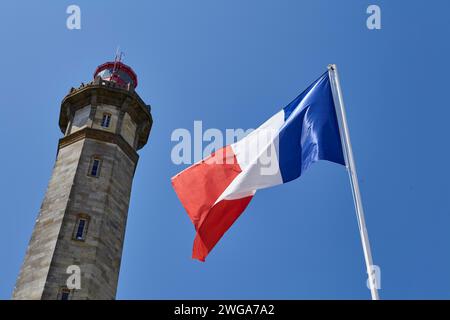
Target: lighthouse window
x=106 y=120
x=94 y=169
x=81 y=228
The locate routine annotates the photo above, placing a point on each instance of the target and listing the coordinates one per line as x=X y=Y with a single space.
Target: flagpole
x=351 y=168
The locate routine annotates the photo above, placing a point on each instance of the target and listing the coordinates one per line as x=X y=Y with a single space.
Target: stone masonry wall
x=34 y=271
x=105 y=199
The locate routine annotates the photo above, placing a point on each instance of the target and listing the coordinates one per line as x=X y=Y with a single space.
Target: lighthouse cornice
x=99 y=135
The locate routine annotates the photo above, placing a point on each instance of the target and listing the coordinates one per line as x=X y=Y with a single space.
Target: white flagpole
x=351 y=168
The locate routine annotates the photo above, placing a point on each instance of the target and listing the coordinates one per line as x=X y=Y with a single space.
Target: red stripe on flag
x=198 y=187
x=220 y=218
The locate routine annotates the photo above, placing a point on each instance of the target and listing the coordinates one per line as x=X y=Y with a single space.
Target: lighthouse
x=76 y=247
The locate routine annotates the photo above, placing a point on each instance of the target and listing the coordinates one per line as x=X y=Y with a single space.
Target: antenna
x=117 y=58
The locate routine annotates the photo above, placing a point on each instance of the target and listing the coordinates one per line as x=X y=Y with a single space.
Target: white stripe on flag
x=257 y=155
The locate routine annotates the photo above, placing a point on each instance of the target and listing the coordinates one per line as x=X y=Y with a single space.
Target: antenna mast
x=117 y=59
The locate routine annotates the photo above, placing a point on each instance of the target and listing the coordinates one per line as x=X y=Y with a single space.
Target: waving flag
x=216 y=190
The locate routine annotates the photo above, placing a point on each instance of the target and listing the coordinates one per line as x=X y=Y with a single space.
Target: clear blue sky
x=233 y=64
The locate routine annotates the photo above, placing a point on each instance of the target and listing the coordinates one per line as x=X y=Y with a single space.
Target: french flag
x=216 y=190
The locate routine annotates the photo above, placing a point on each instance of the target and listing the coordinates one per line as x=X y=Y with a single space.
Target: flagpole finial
x=332 y=66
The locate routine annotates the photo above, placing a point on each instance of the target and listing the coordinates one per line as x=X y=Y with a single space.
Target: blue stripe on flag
x=310 y=132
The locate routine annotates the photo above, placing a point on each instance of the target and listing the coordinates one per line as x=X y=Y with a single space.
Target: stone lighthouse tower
x=81 y=224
